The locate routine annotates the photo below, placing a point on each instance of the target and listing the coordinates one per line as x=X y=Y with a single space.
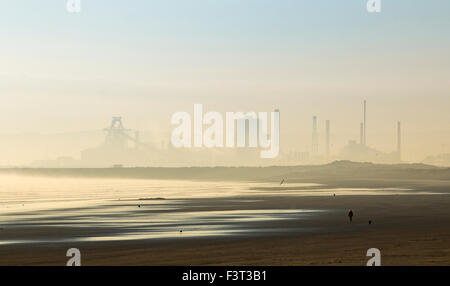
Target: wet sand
x=230 y=216
x=408 y=229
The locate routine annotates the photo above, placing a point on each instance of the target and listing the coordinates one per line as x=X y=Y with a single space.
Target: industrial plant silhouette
x=123 y=147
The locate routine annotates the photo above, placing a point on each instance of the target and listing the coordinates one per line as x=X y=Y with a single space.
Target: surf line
x=256 y=133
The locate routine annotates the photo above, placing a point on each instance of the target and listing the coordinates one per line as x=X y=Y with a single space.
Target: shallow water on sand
x=126 y=209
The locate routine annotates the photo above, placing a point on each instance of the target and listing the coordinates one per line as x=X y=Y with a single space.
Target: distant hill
x=438 y=160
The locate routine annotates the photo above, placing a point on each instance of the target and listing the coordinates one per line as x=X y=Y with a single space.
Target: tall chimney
x=365 y=126
x=137 y=138
x=361 y=134
x=399 y=140
x=328 y=138
x=315 y=147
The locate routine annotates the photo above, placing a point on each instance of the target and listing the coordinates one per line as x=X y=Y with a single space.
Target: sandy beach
x=224 y=133
x=268 y=224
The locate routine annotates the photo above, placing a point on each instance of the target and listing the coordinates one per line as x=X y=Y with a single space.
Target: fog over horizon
x=64 y=76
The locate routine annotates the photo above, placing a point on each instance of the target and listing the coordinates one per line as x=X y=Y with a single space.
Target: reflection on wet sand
x=67 y=209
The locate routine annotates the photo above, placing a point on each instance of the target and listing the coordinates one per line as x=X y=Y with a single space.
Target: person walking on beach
x=350 y=215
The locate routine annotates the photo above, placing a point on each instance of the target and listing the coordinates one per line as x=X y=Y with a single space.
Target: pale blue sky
x=229 y=21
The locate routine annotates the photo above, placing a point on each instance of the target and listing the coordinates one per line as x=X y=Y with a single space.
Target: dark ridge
x=338 y=170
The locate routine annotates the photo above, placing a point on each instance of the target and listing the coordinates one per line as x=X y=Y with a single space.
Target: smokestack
x=328 y=138
x=399 y=140
x=315 y=147
x=361 y=134
x=365 y=126
x=137 y=138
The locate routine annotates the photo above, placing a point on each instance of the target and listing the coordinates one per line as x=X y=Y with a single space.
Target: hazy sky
x=145 y=60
